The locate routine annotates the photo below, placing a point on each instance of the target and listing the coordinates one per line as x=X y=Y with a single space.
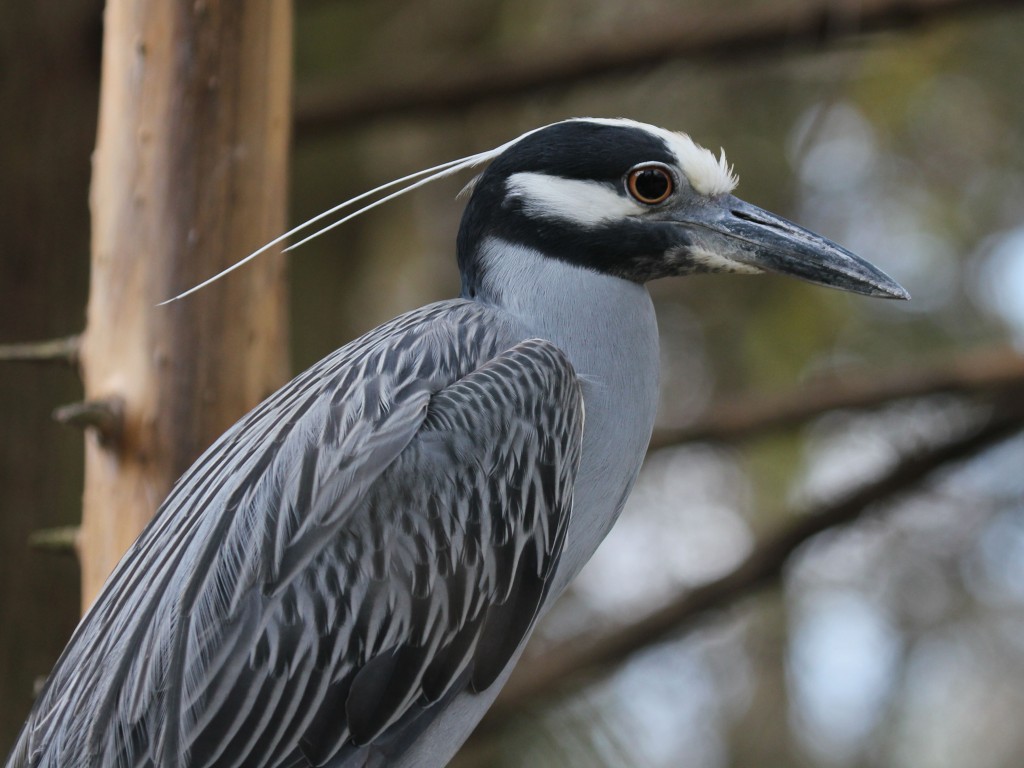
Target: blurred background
x=897 y=640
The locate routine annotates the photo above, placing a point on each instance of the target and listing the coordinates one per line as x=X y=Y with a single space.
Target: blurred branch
x=64 y=351
x=975 y=372
x=577 y=659
x=63 y=541
x=763 y=31
x=105 y=415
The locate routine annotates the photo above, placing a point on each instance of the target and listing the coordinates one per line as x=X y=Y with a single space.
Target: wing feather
x=376 y=535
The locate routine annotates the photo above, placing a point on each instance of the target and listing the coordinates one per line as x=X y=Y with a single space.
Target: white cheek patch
x=587 y=203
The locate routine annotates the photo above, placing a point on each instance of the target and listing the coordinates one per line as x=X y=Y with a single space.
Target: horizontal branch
x=762 y=31
x=581 y=658
x=977 y=372
x=58 y=540
x=64 y=351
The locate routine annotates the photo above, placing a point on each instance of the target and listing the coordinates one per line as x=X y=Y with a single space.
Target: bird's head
x=639 y=202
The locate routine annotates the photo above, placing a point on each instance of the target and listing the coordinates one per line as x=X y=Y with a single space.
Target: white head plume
x=411 y=182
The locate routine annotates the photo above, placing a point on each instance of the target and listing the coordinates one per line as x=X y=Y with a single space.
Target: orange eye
x=649 y=184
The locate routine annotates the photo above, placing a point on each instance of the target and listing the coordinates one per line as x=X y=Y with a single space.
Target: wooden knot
x=105 y=415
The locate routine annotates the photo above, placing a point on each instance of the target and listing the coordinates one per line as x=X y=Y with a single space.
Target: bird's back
x=374 y=538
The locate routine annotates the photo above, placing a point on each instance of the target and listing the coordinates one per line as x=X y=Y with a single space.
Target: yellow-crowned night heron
x=348 y=575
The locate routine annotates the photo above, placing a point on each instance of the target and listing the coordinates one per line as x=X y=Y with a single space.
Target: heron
x=349 y=574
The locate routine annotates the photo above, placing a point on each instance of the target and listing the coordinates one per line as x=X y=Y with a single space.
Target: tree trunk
x=189 y=176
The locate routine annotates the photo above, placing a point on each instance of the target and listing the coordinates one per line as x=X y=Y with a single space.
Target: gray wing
x=387 y=534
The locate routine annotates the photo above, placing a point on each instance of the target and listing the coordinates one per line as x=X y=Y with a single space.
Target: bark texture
x=189 y=175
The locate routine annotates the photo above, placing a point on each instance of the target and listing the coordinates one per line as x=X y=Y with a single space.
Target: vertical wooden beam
x=190 y=174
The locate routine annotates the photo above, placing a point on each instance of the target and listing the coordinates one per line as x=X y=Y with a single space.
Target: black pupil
x=651 y=184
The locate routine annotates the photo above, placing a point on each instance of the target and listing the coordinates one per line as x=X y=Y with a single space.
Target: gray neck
x=606 y=326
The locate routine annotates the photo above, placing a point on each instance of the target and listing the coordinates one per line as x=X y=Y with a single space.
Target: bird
x=348 y=575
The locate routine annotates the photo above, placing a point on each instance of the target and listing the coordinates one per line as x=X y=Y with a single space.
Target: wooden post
x=190 y=174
